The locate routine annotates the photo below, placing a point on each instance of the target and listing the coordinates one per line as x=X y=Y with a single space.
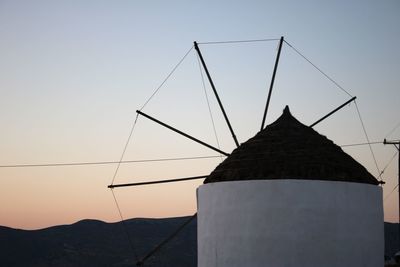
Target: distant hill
x=391 y=237
x=96 y=243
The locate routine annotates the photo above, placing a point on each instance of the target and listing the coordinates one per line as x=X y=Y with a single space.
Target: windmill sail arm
x=333 y=111
x=182 y=133
x=158 y=181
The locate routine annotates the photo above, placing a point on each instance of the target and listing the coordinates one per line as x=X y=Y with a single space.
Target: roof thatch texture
x=288 y=149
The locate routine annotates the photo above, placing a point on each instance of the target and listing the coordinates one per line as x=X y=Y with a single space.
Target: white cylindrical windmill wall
x=291 y=223
x=290 y=197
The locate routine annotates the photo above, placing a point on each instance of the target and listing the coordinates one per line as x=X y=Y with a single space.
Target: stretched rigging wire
x=165 y=241
x=182 y=226
x=315 y=66
x=113 y=194
x=345 y=91
x=208 y=103
x=388 y=195
x=394 y=129
x=125 y=147
x=238 y=41
x=124 y=226
x=166 y=78
x=127 y=143
x=366 y=136
x=387 y=165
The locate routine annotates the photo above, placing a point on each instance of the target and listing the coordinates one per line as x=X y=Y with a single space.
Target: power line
x=104 y=162
x=66 y=164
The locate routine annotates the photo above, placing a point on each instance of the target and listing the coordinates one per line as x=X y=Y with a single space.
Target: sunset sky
x=73 y=73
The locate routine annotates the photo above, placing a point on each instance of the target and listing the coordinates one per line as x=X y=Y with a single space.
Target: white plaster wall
x=290 y=223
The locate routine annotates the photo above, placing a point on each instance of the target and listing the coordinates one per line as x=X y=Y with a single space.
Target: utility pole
x=396 y=143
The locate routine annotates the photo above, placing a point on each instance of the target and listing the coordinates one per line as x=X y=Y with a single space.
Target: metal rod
x=159 y=181
x=215 y=93
x=333 y=111
x=393 y=142
x=182 y=133
x=362 y=144
x=278 y=55
x=165 y=241
x=396 y=143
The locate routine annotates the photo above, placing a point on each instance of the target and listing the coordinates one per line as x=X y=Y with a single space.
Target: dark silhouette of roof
x=288 y=149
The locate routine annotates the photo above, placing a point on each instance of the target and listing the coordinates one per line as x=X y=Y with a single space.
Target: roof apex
x=286 y=110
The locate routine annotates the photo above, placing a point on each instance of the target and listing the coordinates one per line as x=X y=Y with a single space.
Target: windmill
x=254 y=239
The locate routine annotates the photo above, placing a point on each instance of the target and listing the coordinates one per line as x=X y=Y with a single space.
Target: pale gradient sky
x=73 y=73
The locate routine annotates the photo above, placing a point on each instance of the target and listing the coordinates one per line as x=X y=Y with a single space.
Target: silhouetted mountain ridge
x=96 y=243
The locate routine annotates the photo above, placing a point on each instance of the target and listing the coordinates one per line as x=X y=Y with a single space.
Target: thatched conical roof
x=288 y=149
